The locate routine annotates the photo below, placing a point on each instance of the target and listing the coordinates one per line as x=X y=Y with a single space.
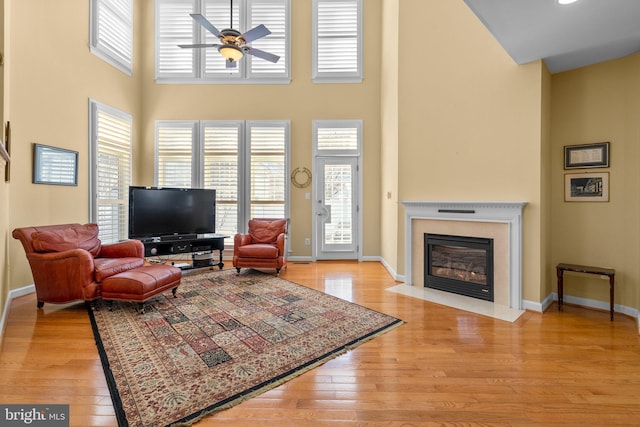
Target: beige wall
x=469 y=119
x=4 y=187
x=389 y=230
x=596 y=104
x=447 y=115
x=547 y=274
x=53 y=75
x=300 y=102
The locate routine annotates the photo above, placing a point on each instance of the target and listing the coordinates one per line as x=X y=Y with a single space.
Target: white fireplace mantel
x=501 y=212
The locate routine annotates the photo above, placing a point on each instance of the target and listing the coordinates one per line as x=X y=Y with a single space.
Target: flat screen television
x=171 y=212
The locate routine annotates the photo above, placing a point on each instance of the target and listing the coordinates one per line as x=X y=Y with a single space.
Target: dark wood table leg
x=559 y=273
x=611 y=282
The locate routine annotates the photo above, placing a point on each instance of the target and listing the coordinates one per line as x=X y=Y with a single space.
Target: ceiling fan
x=233 y=43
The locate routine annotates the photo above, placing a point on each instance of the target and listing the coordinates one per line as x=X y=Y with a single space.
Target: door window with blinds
x=110 y=170
x=175 y=26
x=111 y=33
x=244 y=161
x=337 y=41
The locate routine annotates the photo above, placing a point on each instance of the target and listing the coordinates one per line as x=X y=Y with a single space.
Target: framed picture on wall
x=53 y=165
x=586 y=187
x=586 y=156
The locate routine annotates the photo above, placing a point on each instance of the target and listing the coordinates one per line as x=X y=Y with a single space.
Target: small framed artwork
x=586 y=156
x=586 y=187
x=53 y=165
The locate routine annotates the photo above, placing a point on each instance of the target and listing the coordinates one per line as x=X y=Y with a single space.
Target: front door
x=336 y=208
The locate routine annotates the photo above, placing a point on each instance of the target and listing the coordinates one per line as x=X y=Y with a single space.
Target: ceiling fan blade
x=256 y=33
x=200 y=19
x=231 y=64
x=262 y=54
x=198 y=45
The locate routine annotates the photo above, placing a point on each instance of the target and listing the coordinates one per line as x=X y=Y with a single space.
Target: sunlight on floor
x=341 y=287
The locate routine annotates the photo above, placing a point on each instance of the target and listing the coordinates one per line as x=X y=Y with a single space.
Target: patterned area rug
x=224 y=339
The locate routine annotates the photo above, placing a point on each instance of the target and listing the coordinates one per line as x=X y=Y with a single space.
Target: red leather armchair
x=68 y=261
x=262 y=246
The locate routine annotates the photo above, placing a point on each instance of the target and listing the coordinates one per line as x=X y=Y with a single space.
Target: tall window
x=246 y=162
x=110 y=170
x=174 y=26
x=337 y=41
x=111 y=33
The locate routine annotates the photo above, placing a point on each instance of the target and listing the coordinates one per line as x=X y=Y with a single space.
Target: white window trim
x=336 y=77
x=94 y=108
x=245 y=77
x=94 y=43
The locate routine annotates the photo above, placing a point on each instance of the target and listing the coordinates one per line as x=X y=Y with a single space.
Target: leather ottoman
x=141 y=284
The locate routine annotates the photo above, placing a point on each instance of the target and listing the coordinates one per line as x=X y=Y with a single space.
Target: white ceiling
x=564 y=36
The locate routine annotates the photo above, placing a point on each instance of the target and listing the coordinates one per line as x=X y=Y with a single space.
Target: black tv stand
x=197 y=243
x=178 y=237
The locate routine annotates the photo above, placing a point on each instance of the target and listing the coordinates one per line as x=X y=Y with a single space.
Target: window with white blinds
x=111 y=33
x=174 y=154
x=244 y=161
x=267 y=144
x=337 y=137
x=221 y=171
x=337 y=41
x=110 y=173
x=183 y=65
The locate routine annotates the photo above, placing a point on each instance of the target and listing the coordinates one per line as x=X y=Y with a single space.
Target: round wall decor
x=301 y=181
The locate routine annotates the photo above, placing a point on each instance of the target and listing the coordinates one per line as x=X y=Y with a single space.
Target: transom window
x=175 y=26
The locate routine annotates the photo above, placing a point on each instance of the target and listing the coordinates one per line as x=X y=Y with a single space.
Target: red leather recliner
x=68 y=261
x=263 y=246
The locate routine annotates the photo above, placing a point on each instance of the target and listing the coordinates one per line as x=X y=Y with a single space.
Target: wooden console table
x=609 y=272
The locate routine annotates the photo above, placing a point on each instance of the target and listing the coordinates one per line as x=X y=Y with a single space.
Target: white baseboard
x=310 y=259
x=538 y=306
x=391 y=271
x=13 y=294
x=600 y=305
x=299 y=259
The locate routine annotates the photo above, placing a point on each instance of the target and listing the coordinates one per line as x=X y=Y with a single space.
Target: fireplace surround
x=503 y=220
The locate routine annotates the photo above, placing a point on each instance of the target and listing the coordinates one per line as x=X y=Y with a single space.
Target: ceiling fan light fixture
x=231 y=52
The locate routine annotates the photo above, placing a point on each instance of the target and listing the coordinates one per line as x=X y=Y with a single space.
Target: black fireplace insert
x=459 y=264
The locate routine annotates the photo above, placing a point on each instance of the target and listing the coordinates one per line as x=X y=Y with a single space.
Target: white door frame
x=321 y=156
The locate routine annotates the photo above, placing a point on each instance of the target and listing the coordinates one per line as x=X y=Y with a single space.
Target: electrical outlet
x=307 y=242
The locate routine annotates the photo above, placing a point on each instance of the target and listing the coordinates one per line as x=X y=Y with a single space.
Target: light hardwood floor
x=444 y=367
